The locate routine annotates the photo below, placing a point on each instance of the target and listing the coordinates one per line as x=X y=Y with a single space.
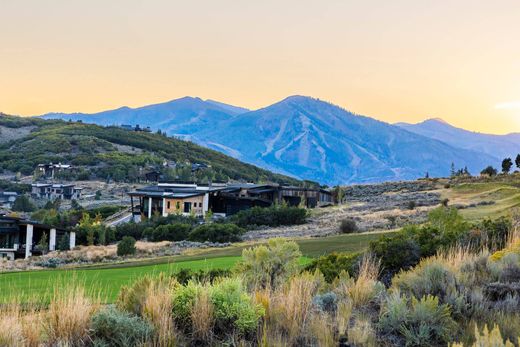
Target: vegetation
x=216 y=232
x=23 y=204
x=126 y=246
x=268 y=300
x=348 y=226
x=270 y=216
x=97 y=149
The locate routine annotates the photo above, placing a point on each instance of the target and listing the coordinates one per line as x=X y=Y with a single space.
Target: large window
x=187 y=207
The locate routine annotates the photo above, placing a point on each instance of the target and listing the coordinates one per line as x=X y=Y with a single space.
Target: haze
x=392 y=60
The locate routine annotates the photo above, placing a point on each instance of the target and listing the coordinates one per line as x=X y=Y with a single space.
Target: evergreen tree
x=506 y=165
x=23 y=204
x=517 y=161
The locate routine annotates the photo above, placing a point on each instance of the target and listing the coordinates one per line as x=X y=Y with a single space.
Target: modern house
x=51 y=191
x=7 y=199
x=221 y=199
x=21 y=238
x=50 y=170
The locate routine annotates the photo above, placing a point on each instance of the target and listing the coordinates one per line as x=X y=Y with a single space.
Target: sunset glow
x=401 y=60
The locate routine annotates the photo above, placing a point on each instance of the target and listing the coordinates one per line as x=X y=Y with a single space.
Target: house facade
x=51 y=191
x=7 y=199
x=167 y=198
x=50 y=170
x=21 y=238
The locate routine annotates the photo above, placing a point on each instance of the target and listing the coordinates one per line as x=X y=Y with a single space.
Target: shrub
x=411 y=205
x=422 y=322
x=170 y=232
x=270 y=216
x=216 y=232
x=126 y=246
x=205 y=276
x=23 y=204
x=396 y=252
x=333 y=264
x=234 y=308
x=63 y=243
x=269 y=266
x=348 y=226
x=112 y=327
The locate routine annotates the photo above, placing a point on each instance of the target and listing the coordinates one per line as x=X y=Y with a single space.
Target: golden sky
x=398 y=60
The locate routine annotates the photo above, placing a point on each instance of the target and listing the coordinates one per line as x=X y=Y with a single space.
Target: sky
x=399 y=60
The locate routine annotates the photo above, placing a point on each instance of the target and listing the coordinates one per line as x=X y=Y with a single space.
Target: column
x=149 y=207
x=52 y=240
x=164 y=207
x=72 y=240
x=205 y=204
x=28 y=240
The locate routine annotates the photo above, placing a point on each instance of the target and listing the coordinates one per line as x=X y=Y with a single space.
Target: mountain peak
x=437 y=120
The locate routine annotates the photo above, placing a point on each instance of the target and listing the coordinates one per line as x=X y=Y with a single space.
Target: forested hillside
x=113 y=152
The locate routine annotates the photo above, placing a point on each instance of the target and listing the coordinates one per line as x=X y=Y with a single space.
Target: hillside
x=112 y=152
x=176 y=117
x=303 y=137
x=498 y=146
x=309 y=138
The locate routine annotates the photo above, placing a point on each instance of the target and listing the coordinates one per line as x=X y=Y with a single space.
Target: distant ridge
x=497 y=146
x=305 y=138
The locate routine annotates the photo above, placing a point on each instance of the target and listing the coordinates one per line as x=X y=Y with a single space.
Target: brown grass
x=67 y=319
x=202 y=317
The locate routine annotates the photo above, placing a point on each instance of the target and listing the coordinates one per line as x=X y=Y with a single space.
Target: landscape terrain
x=375 y=266
x=308 y=138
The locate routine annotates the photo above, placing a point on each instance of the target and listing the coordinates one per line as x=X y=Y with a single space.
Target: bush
x=126 y=246
x=205 y=276
x=63 y=243
x=111 y=327
x=270 y=216
x=421 y=323
x=333 y=264
x=233 y=310
x=269 y=266
x=216 y=232
x=411 y=205
x=171 y=232
x=23 y=204
x=396 y=252
x=348 y=226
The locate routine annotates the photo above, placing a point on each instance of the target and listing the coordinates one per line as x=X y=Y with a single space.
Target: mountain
x=114 y=153
x=311 y=139
x=497 y=146
x=180 y=117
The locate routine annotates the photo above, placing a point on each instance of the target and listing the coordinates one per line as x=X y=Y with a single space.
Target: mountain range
x=311 y=139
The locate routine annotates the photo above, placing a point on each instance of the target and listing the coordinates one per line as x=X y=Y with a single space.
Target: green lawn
x=504 y=195
x=106 y=280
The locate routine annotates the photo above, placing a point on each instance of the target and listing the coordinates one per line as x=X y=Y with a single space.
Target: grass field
x=503 y=195
x=106 y=280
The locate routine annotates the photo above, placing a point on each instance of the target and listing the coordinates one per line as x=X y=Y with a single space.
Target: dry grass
x=290 y=308
x=67 y=320
x=11 y=329
x=202 y=317
x=365 y=288
x=157 y=308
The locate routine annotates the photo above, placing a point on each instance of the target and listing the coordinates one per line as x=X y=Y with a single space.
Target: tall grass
x=67 y=320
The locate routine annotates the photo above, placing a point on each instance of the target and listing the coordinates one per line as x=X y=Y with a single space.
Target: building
x=187 y=198
x=136 y=128
x=7 y=199
x=50 y=170
x=51 y=191
x=20 y=238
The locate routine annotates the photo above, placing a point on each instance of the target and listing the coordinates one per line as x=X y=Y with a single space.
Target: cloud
x=510 y=105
